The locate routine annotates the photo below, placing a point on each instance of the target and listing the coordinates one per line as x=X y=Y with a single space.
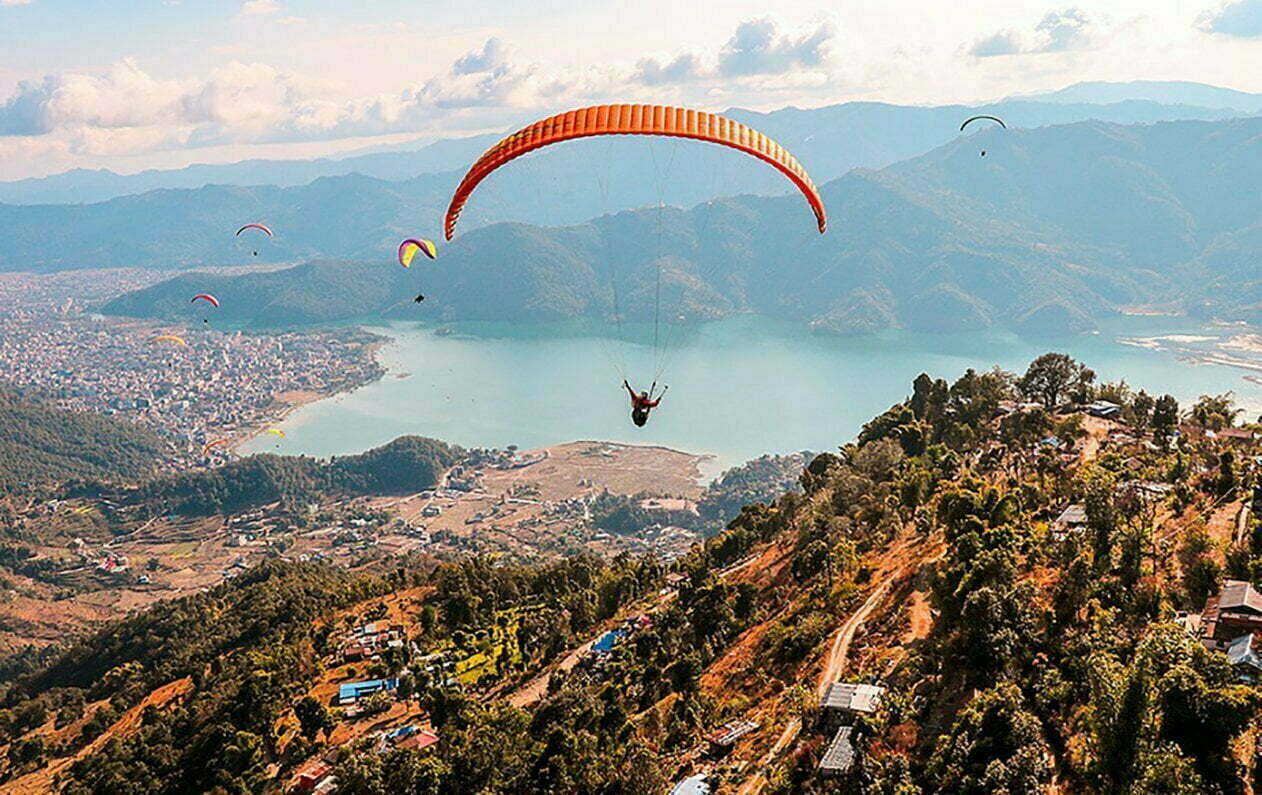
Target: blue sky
x=132 y=84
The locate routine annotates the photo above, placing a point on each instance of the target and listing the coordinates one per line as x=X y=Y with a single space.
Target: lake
x=739 y=387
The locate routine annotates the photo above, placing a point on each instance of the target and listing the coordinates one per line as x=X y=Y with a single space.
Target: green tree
x=313 y=718
x=1054 y=377
x=1165 y=418
x=1215 y=411
x=995 y=745
x=1140 y=409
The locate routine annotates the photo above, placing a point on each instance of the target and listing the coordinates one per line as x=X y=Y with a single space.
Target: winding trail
x=834 y=664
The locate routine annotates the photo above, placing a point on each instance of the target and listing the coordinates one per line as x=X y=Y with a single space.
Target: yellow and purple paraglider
x=409 y=247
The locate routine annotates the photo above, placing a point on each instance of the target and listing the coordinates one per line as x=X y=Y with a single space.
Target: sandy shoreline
x=294 y=399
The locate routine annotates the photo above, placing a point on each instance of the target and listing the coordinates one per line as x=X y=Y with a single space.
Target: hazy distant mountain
x=1053 y=228
x=83 y=185
x=356 y=216
x=830 y=141
x=1172 y=92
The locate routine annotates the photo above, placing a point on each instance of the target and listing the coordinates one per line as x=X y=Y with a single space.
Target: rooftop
x=608 y=640
x=852 y=697
x=693 y=785
x=840 y=754
x=352 y=690
x=729 y=733
x=1239 y=595
x=1243 y=651
x=1073 y=514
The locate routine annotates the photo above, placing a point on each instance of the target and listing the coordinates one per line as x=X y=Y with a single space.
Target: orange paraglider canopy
x=636 y=120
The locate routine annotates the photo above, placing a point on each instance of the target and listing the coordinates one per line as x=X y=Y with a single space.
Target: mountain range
x=829 y=141
x=1167 y=92
x=361 y=216
x=1053 y=229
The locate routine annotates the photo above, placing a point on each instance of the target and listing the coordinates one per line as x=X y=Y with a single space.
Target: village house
x=316 y=776
x=1104 y=409
x=411 y=738
x=839 y=757
x=352 y=692
x=845 y=701
x=1237 y=435
x=1074 y=517
x=369 y=640
x=722 y=739
x=1245 y=659
x=693 y=785
x=1235 y=611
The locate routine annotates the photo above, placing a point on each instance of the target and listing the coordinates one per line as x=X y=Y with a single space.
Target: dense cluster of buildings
x=366 y=642
x=219 y=384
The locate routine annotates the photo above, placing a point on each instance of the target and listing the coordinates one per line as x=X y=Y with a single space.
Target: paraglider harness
x=641 y=404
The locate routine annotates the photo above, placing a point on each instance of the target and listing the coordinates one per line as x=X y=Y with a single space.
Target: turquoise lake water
x=739 y=387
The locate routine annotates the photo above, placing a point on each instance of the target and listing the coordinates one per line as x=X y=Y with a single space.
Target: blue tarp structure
x=609 y=640
x=353 y=691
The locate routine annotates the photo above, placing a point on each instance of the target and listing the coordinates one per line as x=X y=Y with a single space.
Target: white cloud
x=1058 y=31
x=756 y=49
x=125 y=109
x=1005 y=42
x=14 y=2
x=683 y=69
x=255 y=8
x=1064 y=30
x=492 y=55
x=1241 y=19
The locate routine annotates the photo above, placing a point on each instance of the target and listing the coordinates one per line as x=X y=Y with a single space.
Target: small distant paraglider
x=972 y=119
x=208 y=298
x=171 y=338
x=261 y=227
x=409 y=247
x=212 y=445
x=407 y=252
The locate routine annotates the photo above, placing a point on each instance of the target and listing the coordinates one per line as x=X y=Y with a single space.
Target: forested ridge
x=1017 y=652
x=406 y=465
x=42 y=445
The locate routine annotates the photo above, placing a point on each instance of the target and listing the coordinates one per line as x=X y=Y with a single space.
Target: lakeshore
x=740 y=387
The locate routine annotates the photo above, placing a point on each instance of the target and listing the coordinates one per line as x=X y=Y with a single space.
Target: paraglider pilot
x=641 y=404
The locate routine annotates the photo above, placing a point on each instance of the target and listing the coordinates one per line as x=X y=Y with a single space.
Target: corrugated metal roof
x=1241 y=652
x=853 y=697
x=693 y=785
x=1074 y=514
x=1237 y=594
x=840 y=754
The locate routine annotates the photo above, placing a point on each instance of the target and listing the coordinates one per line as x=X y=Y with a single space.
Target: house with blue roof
x=351 y=692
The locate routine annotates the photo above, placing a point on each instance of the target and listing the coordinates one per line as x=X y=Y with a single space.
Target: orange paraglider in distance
x=212 y=445
x=636 y=120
